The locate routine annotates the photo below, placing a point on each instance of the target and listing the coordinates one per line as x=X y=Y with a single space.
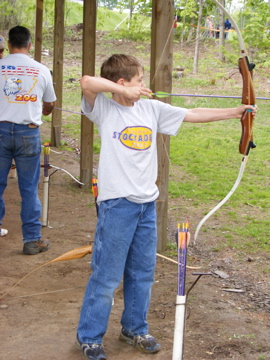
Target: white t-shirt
x=128 y=156
x=24 y=84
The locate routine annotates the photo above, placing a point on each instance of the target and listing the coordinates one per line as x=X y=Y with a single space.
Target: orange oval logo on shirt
x=136 y=137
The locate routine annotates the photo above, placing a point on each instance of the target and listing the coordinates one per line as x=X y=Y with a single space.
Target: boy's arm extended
x=92 y=85
x=201 y=115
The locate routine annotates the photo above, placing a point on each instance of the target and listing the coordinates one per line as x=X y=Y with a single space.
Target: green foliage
x=109 y=4
x=186 y=11
x=16 y=12
x=131 y=34
x=256 y=14
x=73 y=13
x=6 y=14
x=187 y=14
x=137 y=29
x=142 y=7
x=108 y=20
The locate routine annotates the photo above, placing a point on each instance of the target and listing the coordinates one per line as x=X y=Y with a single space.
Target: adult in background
x=174 y=23
x=2 y=46
x=217 y=31
x=12 y=173
x=209 y=27
x=227 y=26
x=26 y=92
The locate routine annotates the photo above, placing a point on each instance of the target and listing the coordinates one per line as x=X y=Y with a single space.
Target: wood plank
x=58 y=69
x=38 y=33
x=161 y=79
x=88 y=68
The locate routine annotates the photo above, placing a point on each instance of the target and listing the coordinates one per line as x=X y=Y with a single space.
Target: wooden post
x=88 y=68
x=38 y=34
x=161 y=79
x=222 y=33
x=58 y=70
x=197 y=44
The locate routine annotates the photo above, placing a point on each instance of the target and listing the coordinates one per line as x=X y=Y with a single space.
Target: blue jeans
x=125 y=244
x=22 y=143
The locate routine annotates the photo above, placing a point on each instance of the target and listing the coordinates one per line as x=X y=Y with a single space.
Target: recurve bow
x=248 y=98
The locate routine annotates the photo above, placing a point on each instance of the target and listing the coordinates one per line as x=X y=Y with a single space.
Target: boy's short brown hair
x=120 y=66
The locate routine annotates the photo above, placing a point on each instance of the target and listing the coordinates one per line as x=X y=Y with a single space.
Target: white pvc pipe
x=45 y=205
x=179 y=328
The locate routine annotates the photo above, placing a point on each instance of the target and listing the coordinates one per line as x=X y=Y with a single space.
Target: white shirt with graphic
x=128 y=158
x=24 y=84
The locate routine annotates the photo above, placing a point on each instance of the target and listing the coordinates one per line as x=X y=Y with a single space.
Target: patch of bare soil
x=227 y=313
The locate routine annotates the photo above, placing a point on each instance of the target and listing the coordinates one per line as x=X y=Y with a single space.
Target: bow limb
x=237 y=182
x=239 y=35
x=248 y=98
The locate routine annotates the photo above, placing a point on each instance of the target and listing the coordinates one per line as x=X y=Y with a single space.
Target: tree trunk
x=196 y=55
x=222 y=33
x=191 y=29
x=131 y=5
x=161 y=78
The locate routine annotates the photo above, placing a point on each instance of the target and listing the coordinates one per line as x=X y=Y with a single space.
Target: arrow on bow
x=248 y=98
x=163 y=94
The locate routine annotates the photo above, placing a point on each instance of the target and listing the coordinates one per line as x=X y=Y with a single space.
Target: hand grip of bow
x=248 y=98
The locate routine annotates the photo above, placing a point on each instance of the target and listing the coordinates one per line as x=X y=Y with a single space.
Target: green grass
x=107 y=20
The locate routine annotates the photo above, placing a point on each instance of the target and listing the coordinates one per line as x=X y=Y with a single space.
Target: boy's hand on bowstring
x=147 y=92
x=134 y=93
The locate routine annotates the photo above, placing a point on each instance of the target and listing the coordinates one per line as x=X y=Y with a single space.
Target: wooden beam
x=88 y=68
x=58 y=70
x=38 y=34
x=161 y=79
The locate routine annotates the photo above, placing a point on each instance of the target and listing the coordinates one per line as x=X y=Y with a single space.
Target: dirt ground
x=227 y=313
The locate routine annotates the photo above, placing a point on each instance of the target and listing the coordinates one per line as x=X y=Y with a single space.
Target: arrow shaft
x=210 y=96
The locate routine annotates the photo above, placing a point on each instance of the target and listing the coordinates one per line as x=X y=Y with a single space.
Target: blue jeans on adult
x=22 y=143
x=125 y=244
